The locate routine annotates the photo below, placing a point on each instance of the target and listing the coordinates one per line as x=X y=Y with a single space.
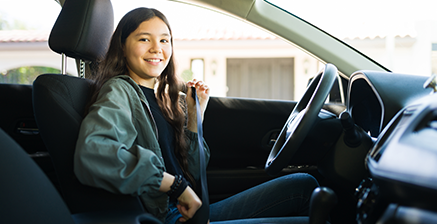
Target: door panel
x=238 y=132
x=236 y=129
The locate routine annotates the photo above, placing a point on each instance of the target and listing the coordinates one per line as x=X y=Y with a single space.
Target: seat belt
x=202 y=215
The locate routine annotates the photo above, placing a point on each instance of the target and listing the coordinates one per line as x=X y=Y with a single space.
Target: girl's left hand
x=202 y=91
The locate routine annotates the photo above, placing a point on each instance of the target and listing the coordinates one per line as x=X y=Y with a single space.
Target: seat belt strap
x=202 y=215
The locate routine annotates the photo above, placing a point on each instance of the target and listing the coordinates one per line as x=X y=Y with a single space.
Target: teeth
x=153 y=60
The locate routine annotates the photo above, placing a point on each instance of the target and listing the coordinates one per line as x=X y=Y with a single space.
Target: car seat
x=82 y=31
x=28 y=196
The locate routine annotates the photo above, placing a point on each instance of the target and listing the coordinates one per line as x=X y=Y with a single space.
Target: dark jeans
x=282 y=200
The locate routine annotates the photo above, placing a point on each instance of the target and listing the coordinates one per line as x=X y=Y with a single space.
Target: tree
x=26 y=74
x=187 y=75
x=4 y=24
x=16 y=24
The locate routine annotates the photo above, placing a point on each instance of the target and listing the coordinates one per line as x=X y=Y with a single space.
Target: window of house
x=198 y=69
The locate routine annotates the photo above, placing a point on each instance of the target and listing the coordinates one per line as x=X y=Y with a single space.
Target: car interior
x=373 y=154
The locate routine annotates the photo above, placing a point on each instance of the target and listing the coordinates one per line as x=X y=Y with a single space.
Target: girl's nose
x=155 y=48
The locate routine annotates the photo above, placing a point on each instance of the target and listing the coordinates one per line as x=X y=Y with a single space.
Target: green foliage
x=15 y=25
x=187 y=75
x=20 y=25
x=4 y=25
x=25 y=75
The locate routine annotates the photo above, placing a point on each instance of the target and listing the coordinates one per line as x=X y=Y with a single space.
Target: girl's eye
x=165 y=41
x=144 y=39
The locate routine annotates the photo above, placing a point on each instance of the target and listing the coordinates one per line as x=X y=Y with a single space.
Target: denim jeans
x=282 y=200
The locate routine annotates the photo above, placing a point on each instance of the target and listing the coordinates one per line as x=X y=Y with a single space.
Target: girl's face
x=147 y=51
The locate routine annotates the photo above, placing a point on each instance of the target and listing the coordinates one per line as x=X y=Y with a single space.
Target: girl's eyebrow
x=149 y=34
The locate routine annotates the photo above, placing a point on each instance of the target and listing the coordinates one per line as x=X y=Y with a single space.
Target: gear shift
x=322 y=201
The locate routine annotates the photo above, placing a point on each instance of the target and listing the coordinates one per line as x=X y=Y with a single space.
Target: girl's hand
x=202 y=91
x=188 y=205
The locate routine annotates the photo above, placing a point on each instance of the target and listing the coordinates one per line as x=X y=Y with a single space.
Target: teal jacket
x=117 y=148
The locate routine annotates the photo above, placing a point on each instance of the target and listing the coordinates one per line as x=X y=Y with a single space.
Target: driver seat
x=82 y=31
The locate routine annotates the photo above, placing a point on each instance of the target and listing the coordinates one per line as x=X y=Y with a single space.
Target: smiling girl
x=141 y=141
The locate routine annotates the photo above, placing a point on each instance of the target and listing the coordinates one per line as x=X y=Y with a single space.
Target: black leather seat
x=59 y=103
x=82 y=31
x=28 y=196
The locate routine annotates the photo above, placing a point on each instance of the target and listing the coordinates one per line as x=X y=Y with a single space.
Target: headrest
x=83 y=29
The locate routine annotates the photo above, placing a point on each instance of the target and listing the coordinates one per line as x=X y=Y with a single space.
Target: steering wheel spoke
x=292 y=124
x=301 y=120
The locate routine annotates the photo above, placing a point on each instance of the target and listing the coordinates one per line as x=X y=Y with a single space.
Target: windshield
x=400 y=35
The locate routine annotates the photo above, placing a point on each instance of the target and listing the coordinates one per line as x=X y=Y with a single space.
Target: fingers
x=199 y=85
x=187 y=213
x=183 y=212
x=188 y=205
x=188 y=210
x=194 y=82
x=202 y=91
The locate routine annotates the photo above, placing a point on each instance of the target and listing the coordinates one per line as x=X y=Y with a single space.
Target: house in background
x=242 y=63
x=20 y=48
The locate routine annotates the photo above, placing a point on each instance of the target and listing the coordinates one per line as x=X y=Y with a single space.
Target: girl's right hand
x=188 y=205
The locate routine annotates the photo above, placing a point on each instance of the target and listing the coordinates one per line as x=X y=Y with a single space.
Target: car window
x=24 y=52
x=400 y=35
x=233 y=57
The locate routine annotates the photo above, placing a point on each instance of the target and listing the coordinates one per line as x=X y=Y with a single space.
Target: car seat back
x=82 y=30
x=26 y=194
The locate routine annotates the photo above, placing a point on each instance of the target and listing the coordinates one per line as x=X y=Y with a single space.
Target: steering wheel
x=301 y=120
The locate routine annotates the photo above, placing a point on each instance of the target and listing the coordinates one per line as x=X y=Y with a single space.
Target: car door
x=240 y=133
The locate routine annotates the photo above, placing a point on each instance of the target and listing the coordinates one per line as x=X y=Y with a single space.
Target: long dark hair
x=169 y=85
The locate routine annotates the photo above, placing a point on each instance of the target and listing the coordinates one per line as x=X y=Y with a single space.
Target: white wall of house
x=215 y=52
x=15 y=55
x=405 y=54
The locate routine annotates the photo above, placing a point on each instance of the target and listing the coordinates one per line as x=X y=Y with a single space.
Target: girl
x=135 y=140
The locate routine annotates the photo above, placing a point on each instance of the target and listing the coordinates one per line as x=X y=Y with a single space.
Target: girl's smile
x=147 y=51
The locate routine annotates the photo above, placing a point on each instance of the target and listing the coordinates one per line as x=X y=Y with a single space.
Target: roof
x=20 y=36
x=15 y=36
x=27 y=36
x=222 y=34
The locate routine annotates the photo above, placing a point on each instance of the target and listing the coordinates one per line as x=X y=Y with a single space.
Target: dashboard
x=402 y=164
x=374 y=98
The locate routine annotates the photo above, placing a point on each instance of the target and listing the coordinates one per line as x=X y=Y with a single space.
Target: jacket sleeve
x=193 y=153
x=193 y=144
x=106 y=154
